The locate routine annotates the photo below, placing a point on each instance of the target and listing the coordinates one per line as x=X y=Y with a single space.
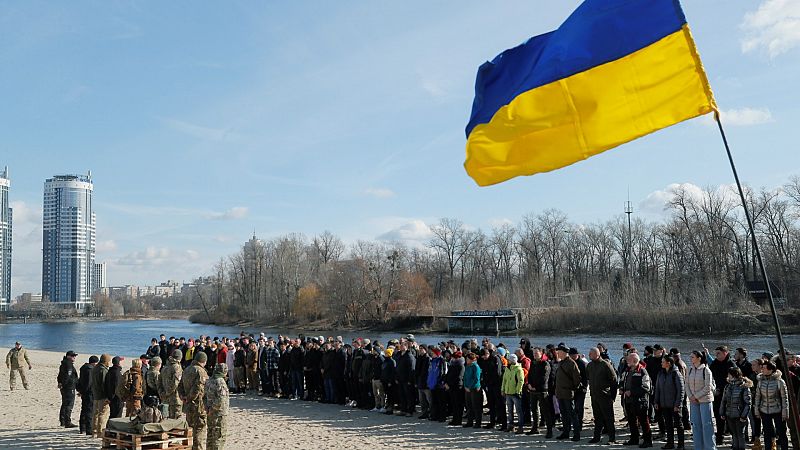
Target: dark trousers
x=579 y=401
x=330 y=390
x=474 y=400
x=567 y=408
x=116 y=408
x=263 y=376
x=539 y=408
x=366 y=399
x=408 y=397
x=603 y=411
x=720 y=423
x=526 y=406
x=274 y=381
x=67 y=403
x=439 y=404
x=297 y=383
x=673 y=420
x=774 y=428
x=457 y=404
x=87 y=410
x=494 y=401
x=638 y=418
x=285 y=383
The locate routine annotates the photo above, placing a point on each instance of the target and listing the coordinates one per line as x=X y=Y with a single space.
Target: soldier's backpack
x=125 y=386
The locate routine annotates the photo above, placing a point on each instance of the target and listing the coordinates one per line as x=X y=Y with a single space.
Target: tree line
x=699 y=257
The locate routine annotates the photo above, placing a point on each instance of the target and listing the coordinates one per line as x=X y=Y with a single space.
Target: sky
x=204 y=123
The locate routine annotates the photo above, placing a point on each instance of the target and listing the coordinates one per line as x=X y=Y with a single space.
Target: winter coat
x=539 y=375
x=421 y=371
x=736 y=399
x=513 y=380
x=638 y=384
x=472 y=376
x=581 y=363
x=84 y=386
x=388 y=372
x=99 y=375
x=437 y=373
x=771 y=395
x=405 y=368
x=15 y=357
x=670 y=389
x=455 y=373
x=365 y=371
x=700 y=384
x=377 y=367
x=111 y=382
x=296 y=358
x=67 y=375
x=602 y=377
x=492 y=370
x=719 y=370
x=568 y=379
x=328 y=362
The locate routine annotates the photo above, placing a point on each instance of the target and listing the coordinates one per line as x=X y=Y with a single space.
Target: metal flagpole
x=793 y=413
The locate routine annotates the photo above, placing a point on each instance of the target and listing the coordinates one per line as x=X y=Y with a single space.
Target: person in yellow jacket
x=511 y=388
x=16 y=360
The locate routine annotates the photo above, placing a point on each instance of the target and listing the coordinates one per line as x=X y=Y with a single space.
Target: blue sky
x=203 y=122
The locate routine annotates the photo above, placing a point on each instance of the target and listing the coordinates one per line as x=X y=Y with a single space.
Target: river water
x=131 y=337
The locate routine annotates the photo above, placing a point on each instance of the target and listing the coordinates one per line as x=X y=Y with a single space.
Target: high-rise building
x=5 y=242
x=68 y=240
x=99 y=277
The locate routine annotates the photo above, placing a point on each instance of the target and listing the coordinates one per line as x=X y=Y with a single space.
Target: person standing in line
x=111 y=382
x=700 y=390
x=511 y=389
x=537 y=386
x=192 y=391
x=772 y=405
x=579 y=401
x=668 y=396
x=472 y=392
x=603 y=386
x=14 y=362
x=133 y=387
x=637 y=402
x=169 y=382
x=719 y=367
x=735 y=406
x=84 y=388
x=568 y=381
x=101 y=408
x=217 y=402
x=455 y=387
x=67 y=381
x=421 y=373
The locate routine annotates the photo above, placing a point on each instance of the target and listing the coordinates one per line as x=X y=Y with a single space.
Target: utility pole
x=629 y=211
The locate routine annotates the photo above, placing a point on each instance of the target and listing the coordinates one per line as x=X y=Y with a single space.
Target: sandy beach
x=29 y=420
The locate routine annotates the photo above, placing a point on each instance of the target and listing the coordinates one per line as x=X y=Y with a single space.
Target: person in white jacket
x=700 y=390
x=229 y=363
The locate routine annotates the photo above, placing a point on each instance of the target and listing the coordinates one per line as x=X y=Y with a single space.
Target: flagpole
x=793 y=419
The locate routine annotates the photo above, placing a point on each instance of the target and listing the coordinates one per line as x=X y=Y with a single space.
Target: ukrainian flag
x=614 y=71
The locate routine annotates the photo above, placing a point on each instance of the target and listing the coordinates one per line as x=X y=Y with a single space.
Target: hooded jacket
x=472 y=376
x=437 y=373
x=638 y=383
x=99 y=374
x=84 y=386
x=736 y=400
x=388 y=371
x=771 y=395
x=455 y=373
x=513 y=380
x=405 y=368
x=421 y=371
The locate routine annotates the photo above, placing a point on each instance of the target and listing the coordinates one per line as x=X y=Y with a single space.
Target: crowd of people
x=522 y=389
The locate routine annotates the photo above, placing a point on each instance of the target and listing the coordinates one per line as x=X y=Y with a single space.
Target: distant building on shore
x=5 y=241
x=99 y=278
x=68 y=240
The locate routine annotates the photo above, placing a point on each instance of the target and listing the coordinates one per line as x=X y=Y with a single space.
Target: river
x=131 y=337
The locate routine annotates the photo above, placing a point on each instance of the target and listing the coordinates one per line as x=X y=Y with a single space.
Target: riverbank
x=29 y=420
x=158 y=315
x=559 y=320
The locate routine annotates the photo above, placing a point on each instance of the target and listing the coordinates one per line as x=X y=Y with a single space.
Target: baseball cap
x=71 y=353
x=573 y=351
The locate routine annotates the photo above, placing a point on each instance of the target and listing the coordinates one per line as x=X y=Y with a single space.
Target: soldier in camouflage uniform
x=16 y=360
x=192 y=388
x=169 y=382
x=217 y=403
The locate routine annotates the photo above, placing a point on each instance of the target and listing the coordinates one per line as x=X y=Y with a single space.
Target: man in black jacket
x=421 y=376
x=538 y=377
x=84 y=388
x=491 y=364
x=67 y=380
x=283 y=370
x=405 y=380
x=719 y=371
x=296 y=370
x=110 y=388
x=163 y=348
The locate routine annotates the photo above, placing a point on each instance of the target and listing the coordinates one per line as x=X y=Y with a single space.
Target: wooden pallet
x=174 y=440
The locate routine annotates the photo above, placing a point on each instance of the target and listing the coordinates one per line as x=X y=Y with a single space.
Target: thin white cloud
x=500 y=222
x=158 y=256
x=199 y=131
x=235 y=213
x=740 y=117
x=26 y=214
x=379 y=192
x=106 y=246
x=658 y=200
x=773 y=28
x=413 y=233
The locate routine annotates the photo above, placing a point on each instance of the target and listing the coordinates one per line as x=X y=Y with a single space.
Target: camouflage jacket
x=15 y=358
x=217 y=397
x=153 y=383
x=193 y=384
x=170 y=380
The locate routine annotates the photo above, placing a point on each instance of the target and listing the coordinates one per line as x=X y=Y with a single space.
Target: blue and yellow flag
x=614 y=71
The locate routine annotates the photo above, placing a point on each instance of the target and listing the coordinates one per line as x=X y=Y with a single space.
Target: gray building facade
x=5 y=241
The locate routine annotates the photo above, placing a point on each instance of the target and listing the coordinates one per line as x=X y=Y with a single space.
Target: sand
x=29 y=420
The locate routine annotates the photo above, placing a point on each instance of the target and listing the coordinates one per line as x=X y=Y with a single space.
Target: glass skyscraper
x=5 y=242
x=68 y=240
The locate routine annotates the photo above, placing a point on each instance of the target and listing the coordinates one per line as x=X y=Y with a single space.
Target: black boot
x=647 y=442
